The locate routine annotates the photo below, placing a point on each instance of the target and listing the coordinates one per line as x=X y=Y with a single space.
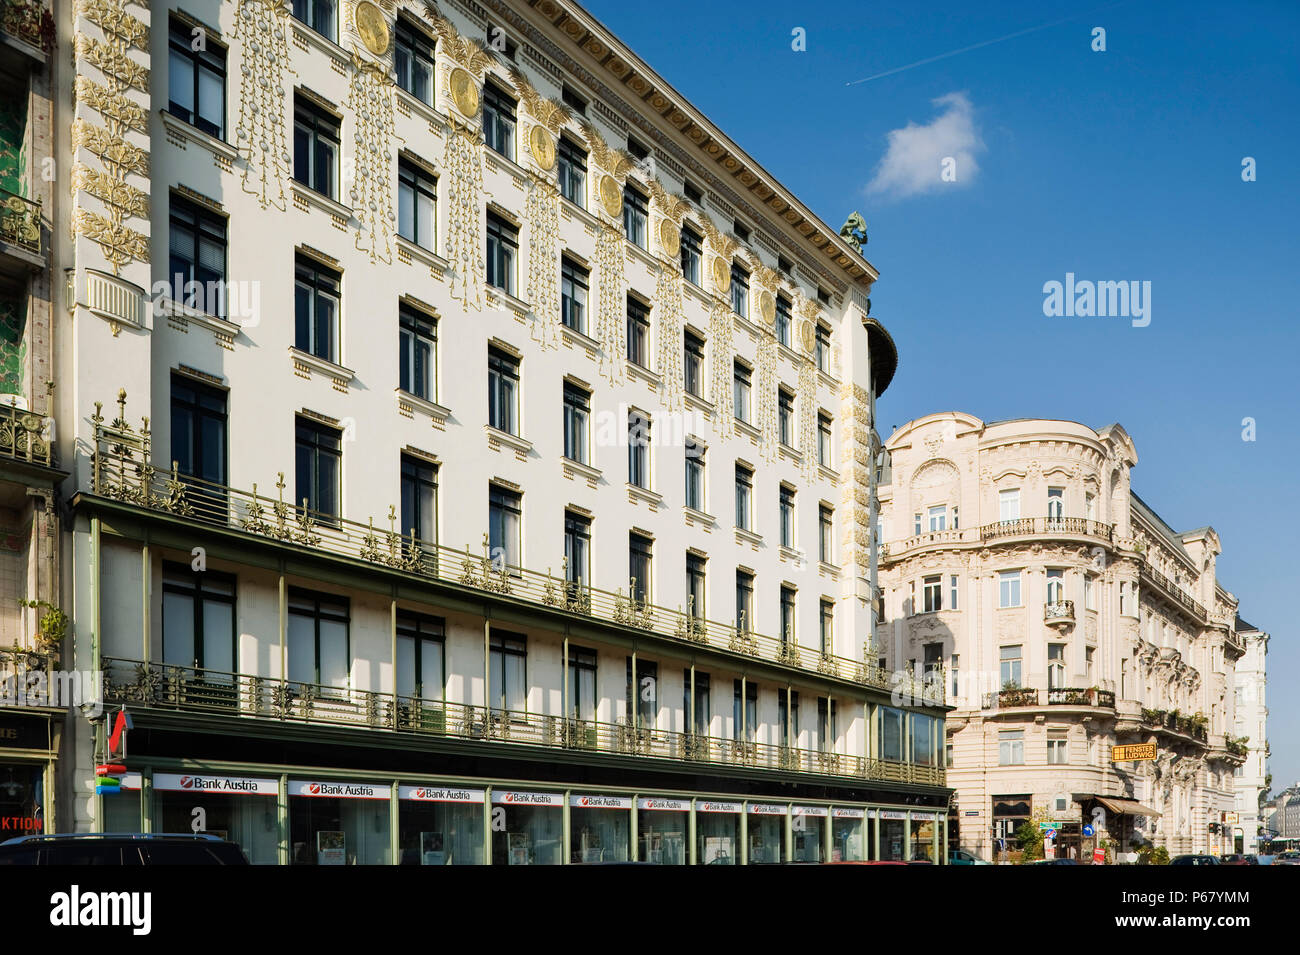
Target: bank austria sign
x=339 y=790
x=232 y=785
x=440 y=794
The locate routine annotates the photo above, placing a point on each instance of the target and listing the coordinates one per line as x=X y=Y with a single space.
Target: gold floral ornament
x=767 y=308
x=721 y=275
x=611 y=197
x=372 y=27
x=542 y=146
x=464 y=92
x=670 y=237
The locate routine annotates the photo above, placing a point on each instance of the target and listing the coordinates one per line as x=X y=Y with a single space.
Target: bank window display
x=923 y=832
x=717 y=833
x=661 y=830
x=440 y=825
x=848 y=835
x=527 y=828
x=766 y=827
x=237 y=808
x=893 y=834
x=808 y=831
x=339 y=823
x=600 y=828
x=22 y=799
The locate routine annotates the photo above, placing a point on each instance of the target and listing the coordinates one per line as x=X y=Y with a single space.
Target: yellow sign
x=1134 y=751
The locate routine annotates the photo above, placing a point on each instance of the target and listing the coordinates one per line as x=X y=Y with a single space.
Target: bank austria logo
x=76 y=908
x=187 y=782
x=314 y=789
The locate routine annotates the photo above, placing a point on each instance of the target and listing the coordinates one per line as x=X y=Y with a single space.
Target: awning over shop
x=1126 y=806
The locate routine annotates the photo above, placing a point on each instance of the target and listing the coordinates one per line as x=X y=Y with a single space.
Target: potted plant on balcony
x=52 y=627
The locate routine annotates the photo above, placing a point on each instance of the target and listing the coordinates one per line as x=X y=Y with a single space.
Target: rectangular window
x=577 y=412
x=502 y=252
x=644 y=699
x=744 y=496
x=824 y=439
x=744 y=712
x=827 y=627
x=785 y=416
x=417 y=353
x=1090 y=506
x=787 y=615
x=891 y=733
x=638 y=449
x=1011 y=747
x=503 y=391
x=199 y=437
x=933 y=593
x=315 y=147
x=1009 y=505
x=740 y=390
x=1009 y=666
x=1055 y=586
x=421 y=652
x=695 y=583
x=572 y=160
x=823 y=352
x=198 y=622
x=499 y=120
x=1055 y=503
x=1058 y=750
x=508 y=672
x=319 y=469
x=787 y=515
x=317 y=14
x=1123 y=598
x=787 y=715
x=582 y=684
x=413 y=60
x=703 y=709
x=634 y=216
x=197 y=257
x=196 y=80
x=739 y=291
x=417 y=202
x=744 y=601
x=825 y=534
x=692 y=246
x=639 y=561
x=1089 y=593
x=1088 y=654
x=573 y=295
x=505 y=527
x=577 y=550
x=693 y=363
x=952 y=593
x=938 y=518
x=1055 y=666
x=1009 y=588
x=419 y=499
x=932 y=661
x=953 y=669
x=916 y=525
x=316 y=309
x=783 y=320
x=695 y=474
x=317 y=639
x=638 y=332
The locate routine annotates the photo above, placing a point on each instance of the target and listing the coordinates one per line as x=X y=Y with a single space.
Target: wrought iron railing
x=244 y=696
x=1075 y=696
x=22 y=436
x=1021 y=527
x=1174 y=590
x=122 y=470
x=20 y=221
x=1058 y=610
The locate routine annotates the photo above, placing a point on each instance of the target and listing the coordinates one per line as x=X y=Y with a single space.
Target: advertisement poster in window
x=431 y=849
x=331 y=848
x=518 y=842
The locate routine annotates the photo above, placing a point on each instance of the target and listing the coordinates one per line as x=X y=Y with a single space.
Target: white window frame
x=938 y=518
x=1009 y=588
x=1009 y=504
x=1011 y=747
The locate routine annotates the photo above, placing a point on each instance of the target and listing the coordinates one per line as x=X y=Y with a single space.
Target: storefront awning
x=1126 y=806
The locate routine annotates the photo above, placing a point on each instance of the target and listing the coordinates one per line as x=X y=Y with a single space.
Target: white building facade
x=1067 y=617
x=519 y=473
x=1251 y=714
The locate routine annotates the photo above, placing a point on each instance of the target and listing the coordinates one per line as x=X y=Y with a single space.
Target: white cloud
x=917 y=156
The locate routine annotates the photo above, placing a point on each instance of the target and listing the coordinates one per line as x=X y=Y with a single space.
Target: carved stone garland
x=766 y=403
x=370 y=99
x=119 y=242
x=260 y=131
x=463 y=162
x=611 y=322
x=721 y=327
x=541 y=210
x=670 y=319
x=808 y=418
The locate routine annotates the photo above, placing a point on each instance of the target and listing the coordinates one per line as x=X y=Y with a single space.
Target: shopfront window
x=600 y=828
x=339 y=823
x=766 y=834
x=240 y=809
x=527 y=828
x=440 y=826
x=848 y=833
x=661 y=830
x=808 y=824
x=923 y=832
x=893 y=830
x=22 y=799
x=891 y=733
x=717 y=833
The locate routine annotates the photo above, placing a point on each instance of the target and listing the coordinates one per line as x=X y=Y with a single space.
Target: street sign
x=1050 y=834
x=1089 y=831
x=1231 y=817
x=1098 y=856
x=1132 y=752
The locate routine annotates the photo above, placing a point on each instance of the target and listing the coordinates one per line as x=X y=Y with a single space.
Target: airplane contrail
x=976 y=46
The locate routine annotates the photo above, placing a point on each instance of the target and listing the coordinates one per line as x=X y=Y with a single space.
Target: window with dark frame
x=197 y=256
x=703 y=711
x=634 y=215
x=319 y=469
x=572 y=160
x=694 y=453
x=643 y=697
x=419 y=499
x=573 y=295
x=417 y=205
x=744 y=496
x=744 y=601
x=315 y=147
x=417 y=353
x=320 y=15
x=318 y=639
x=640 y=567
x=695 y=585
x=582 y=683
x=638 y=332
x=413 y=60
x=783 y=320
x=577 y=412
x=503 y=391
x=692 y=250
x=573 y=100
x=787 y=515
x=499 y=120
x=827 y=634
x=741 y=388
x=787 y=615
x=505 y=528
x=739 y=291
x=421 y=656
x=825 y=534
x=196 y=79
x=744 y=711
x=824 y=453
x=693 y=363
x=787 y=716
x=502 y=251
x=316 y=308
x=785 y=416
x=823 y=349
x=692 y=192
x=200 y=439
x=577 y=551
x=507 y=672
x=198 y=622
x=638 y=449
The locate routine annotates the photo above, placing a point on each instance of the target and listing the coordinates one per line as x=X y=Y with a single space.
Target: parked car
x=1055 y=862
x=1241 y=859
x=121 y=848
x=1290 y=857
x=963 y=857
x=1195 y=860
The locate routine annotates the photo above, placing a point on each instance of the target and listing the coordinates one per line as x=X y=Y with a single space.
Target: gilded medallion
x=767 y=308
x=721 y=275
x=807 y=337
x=670 y=237
x=542 y=146
x=371 y=27
x=611 y=197
x=464 y=92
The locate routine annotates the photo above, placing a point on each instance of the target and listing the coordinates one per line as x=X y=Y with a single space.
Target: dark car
x=1055 y=862
x=1240 y=859
x=1195 y=860
x=125 y=848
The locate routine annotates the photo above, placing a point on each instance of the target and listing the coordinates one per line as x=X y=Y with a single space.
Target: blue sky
x=1116 y=165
